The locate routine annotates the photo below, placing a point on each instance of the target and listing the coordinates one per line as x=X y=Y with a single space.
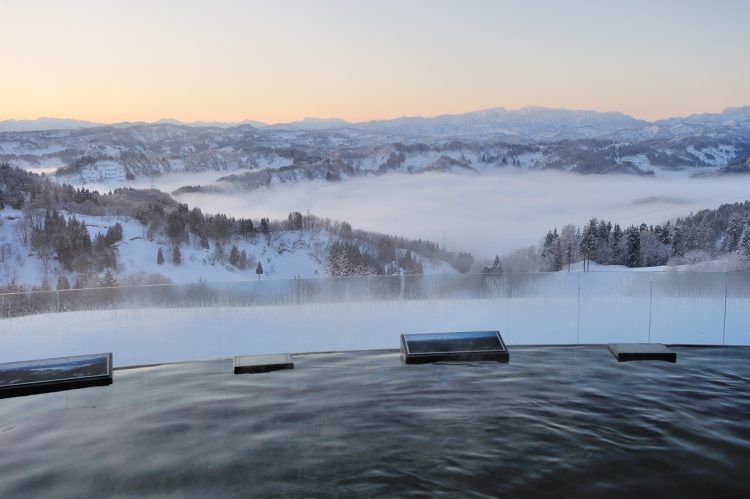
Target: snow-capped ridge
x=531 y=137
x=44 y=123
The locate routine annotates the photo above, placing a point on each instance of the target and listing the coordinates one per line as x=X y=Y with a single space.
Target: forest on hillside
x=721 y=234
x=51 y=229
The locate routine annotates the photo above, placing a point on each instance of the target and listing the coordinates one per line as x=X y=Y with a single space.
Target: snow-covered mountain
x=44 y=124
x=732 y=123
x=534 y=138
x=676 y=156
x=313 y=124
x=529 y=124
x=216 y=124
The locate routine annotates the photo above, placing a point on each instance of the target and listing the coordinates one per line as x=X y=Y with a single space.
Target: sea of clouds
x=486 y=214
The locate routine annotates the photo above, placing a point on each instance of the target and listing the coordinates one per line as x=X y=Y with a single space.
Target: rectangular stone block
x=244 y=364
x=625 y=352
x=454 y=346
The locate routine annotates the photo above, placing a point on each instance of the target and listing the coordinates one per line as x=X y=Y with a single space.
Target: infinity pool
x=555 y=421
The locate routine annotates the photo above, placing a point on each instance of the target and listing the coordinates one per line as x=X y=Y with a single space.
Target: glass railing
x=204 y=320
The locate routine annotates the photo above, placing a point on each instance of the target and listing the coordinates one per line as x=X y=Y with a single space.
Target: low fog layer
x=167 y=182
x=485 y=214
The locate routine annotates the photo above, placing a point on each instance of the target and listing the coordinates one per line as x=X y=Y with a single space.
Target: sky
x=283 y=60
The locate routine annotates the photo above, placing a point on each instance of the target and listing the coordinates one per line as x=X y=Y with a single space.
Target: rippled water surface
x=555 y=421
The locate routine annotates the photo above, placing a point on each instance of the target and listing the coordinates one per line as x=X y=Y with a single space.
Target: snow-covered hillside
x=282 y=255
x=530 y=138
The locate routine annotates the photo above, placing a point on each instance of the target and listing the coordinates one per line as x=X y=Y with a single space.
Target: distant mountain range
x=534 y=123
x=44 y=124
x=333 y=149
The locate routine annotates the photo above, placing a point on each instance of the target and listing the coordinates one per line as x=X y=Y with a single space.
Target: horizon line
x=347 y=122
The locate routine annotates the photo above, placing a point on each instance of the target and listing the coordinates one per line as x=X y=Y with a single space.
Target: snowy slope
x=283 y=255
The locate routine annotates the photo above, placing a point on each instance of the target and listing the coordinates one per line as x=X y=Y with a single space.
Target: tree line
x=705 y=235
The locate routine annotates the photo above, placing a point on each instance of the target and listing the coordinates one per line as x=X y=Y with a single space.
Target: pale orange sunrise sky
x=110 y=61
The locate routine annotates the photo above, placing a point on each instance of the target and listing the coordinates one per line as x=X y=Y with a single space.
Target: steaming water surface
x=555 y=422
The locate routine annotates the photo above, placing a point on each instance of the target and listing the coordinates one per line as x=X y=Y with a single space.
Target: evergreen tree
x=663 y=234
x=678 y=249
x=386 y=250
x=234 y=256
x=108 y=281
x=246 y=227
x=175 y=227
x=218 y=255
x=298 y=220
x=346 y=230
x=294 y=221
x=602 y=252
x=733 y=234
x=557 y=255
x=743 y=246
x=552 y=253
x=259 y=270
x=176 y=255
x=616 y=251
x=159 y=256
x=197 y=222
x=223 y=227
x=633 y=247
x=113 y=235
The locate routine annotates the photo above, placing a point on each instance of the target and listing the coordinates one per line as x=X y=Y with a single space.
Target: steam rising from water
x=483 y=213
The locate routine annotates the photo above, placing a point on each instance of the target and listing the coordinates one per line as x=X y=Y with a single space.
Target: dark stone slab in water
x=262 y=363
x=53 y=375
x=456 y=346
x=624 y=352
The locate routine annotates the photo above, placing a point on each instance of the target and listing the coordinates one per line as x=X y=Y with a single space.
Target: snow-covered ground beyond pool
x=155 y=335
x=597 y=267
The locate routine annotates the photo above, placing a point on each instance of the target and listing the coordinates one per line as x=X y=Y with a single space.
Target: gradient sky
x=277 y=61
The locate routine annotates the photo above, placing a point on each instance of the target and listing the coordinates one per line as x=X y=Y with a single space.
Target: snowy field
x=666 y=307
